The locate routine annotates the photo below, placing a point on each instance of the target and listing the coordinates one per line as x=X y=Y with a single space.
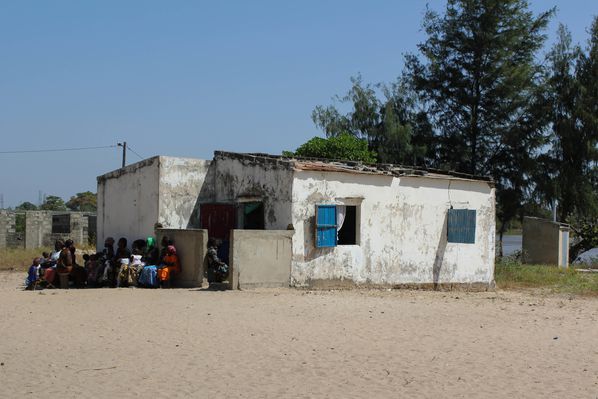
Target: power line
x=56 y=149
x=133 y=151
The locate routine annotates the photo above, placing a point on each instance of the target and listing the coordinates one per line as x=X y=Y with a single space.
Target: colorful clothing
x=171 y=265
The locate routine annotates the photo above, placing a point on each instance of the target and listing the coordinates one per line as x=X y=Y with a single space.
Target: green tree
x=26 y=206
x=83 y=202
x=386 y=124
x=343 y=147
x=481 y=87
x=53 y=203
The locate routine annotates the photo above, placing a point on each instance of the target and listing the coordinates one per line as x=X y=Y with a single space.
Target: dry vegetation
x=19 y=259
x=514 y=275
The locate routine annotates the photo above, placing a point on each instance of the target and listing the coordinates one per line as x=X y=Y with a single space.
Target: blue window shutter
x=461 y=226
x=325 y=226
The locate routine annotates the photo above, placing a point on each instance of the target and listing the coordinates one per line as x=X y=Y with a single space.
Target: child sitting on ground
x=33 y=273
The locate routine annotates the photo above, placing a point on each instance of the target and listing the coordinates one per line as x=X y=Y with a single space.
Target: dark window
x=61 y=224
x=253 y=215
x=461 y=226
x=347 y=235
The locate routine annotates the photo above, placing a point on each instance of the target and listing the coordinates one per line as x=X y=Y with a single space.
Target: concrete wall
x=8 y=233
x=181 y=181
x=38 y=227
x=128 y=201
x=165 y=190
x=260 y=258
x=242 y=178
x=191 y=245
x=402 y=231
x=543 y=242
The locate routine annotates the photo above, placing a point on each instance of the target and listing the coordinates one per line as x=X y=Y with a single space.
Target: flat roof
x=355 y=167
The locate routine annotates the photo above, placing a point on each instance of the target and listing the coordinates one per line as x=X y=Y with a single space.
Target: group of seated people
x=145 y=265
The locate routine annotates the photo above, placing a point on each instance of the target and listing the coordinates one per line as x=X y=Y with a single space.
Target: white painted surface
x=402 y=236
x=128 y=201
x=403 y=230
x=181 y=180
x=160 y=189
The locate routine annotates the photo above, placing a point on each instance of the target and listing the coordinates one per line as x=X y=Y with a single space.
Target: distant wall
x=8 y=232
x=191 y=245
x=543 y=242
x=260 y=258
x=43 y=228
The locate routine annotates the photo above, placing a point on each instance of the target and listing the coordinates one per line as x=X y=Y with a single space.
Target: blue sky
x=185 y=78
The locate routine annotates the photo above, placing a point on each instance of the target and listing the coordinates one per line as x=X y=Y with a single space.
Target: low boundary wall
x=260 y=258
x=191 y=246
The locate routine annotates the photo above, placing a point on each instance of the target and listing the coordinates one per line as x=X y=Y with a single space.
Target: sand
x=286 y=343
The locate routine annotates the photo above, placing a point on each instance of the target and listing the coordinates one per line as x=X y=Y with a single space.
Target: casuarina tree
x=478 y=78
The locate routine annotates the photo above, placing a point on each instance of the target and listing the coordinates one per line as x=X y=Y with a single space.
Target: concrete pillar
x=4 y=223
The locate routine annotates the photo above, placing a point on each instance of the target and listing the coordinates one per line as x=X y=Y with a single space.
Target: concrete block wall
x=38 y=228
x=191 y=245
x=6 y=219
x=543 y=242
x=260 y=258
x=8 y=230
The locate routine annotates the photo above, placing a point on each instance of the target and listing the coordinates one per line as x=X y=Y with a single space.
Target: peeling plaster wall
x=402 y=230
x=181 y=181
x=268 y=181
x=128 y=201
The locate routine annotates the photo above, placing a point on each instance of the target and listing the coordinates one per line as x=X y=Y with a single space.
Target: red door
x=219 y=219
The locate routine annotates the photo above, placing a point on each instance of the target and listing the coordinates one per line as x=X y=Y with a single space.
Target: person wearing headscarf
x=169 y=266
x=152 y=253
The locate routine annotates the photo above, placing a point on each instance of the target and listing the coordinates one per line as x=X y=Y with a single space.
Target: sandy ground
x=290 y=343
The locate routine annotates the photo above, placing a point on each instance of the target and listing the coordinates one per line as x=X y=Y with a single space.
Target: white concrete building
x=353 y=224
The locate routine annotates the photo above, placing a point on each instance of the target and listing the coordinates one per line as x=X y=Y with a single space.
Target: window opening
x=61 y=224
x=253 y=215
x=347 y=227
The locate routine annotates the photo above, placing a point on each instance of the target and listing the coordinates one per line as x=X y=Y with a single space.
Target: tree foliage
x=26 y=206
x=83 y=202
x=343 y=147
x=476 y=99
x=387 y=124
x=566 y=168
x=53 y=203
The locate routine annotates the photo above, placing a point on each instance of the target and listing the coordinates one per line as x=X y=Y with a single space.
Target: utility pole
x=1 y=200
x=124 y=146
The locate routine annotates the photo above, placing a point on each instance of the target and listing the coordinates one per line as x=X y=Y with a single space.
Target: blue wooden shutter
x=461 y=226
x=325 y=226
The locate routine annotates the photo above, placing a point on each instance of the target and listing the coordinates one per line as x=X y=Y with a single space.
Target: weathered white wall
x=181 y=181
x=402 y=230
x=128 y=201
x=269 y=181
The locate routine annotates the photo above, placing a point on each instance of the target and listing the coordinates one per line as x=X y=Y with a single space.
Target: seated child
x=33 y=273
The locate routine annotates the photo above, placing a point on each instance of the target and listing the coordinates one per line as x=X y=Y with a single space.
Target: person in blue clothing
x=33 y=272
